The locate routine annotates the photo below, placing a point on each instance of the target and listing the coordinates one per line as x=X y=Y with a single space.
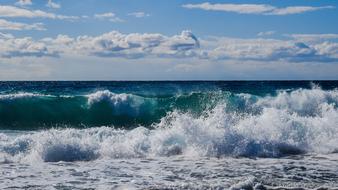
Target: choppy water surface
x=177 y=172
x=169 y=135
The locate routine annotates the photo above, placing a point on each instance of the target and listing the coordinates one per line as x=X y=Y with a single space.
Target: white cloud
x=185 y=45
x=12 y=11
x=7 y=25
x=313 y=37
x=135 y=45
x=53 y=5
x=139 y=14
x=238 y=8
x=5 y=36
x=108 y=16
x=112 y=44
x=23 y=47
x=263 y=9
x=267 y=33
x=269 y=50
x=327 y=48
x=24 y=2
x=297 y=10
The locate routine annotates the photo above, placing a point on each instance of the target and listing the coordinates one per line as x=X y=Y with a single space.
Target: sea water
x=169 y=135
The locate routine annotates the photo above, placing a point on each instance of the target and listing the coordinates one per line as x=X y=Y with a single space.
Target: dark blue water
x=158 y=87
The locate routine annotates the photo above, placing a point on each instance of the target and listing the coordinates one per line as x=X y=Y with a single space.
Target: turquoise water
x=36 y=105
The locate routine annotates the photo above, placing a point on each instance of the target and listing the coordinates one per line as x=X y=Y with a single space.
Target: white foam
x=22 y=95
x=121 y=103
x=301 y=101
x=244 y=185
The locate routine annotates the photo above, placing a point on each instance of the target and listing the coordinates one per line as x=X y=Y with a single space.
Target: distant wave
x=20 y=95
x=295 y=122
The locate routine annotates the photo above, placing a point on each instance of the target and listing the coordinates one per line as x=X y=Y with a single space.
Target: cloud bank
x=134 y=45
x=23 y=47
x=273 y=50
x=185 y=45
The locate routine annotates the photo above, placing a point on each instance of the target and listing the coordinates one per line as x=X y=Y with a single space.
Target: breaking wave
x=20 y=95
x=32 y=111
x=289 y=123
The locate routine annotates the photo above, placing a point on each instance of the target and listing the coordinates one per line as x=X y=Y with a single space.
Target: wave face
x=99 y=108
x=213 y=123
x=32 y=111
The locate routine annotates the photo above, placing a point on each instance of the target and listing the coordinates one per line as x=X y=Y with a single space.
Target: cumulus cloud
x=263 y=9
x=184 y=45
x=108 y=16
x=12 y=11
x=24 y=2
x=53 y=5
x=112 y=44
x=7 y=25
x=139 y=14
x=5 y=36
x=23 y=47
x=134 y=45
x=270 y=50
x=327 y=48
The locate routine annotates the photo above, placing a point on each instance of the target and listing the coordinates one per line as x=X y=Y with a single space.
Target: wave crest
x=301 y=101
x=21 y=95
x=122 y=103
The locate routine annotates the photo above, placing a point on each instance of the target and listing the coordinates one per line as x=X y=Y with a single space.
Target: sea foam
x=21 y=95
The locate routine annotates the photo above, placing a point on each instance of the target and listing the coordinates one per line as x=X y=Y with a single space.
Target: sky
x=168 y=40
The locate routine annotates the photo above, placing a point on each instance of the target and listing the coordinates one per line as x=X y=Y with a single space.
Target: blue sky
x=168 y=40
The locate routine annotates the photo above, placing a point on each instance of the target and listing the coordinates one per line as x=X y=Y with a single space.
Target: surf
x=238 y=125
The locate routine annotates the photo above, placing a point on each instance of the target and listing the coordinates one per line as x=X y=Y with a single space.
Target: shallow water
x=177 y=172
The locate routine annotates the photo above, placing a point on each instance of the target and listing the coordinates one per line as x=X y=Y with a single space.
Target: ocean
x=169 y=135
